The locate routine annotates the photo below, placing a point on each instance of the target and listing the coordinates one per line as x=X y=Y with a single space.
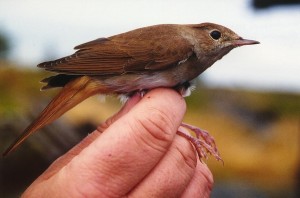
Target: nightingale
x=166 y=55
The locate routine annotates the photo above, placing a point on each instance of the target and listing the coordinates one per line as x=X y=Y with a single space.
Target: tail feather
x=73 y=93
x=59 y=80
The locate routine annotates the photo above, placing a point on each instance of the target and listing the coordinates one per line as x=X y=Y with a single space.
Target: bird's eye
x=215 y=34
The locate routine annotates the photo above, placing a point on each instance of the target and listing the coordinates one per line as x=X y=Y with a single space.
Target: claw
x=203 y=142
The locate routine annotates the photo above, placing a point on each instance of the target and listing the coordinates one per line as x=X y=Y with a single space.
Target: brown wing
x=150 y=48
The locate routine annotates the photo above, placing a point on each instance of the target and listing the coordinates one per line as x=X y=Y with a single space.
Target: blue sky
x=43 y=29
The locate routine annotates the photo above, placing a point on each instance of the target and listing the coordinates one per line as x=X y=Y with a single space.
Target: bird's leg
x=185 y=89
x=203 y=142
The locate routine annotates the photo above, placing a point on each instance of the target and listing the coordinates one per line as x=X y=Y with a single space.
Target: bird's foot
x=204 y=143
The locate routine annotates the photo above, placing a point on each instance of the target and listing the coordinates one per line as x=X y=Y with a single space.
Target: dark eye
x=215 y=34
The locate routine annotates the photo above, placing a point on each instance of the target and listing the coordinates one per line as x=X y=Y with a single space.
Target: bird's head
x=216 y=40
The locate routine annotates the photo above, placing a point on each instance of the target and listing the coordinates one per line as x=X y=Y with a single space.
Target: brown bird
x=167 y=55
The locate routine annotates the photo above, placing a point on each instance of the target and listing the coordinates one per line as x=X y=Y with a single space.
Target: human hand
x=134 y=153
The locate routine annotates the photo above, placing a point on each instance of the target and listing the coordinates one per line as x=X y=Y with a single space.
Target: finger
x=173 y=173
x=63 y=160
x=201 y=183
x=125 y=109
x=128 y=150
x=67 y=157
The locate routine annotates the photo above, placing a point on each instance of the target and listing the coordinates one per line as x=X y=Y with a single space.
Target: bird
x=163 y=55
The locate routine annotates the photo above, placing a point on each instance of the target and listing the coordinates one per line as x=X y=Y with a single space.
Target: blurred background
x=249 y=101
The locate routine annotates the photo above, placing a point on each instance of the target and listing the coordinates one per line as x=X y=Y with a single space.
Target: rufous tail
x=72 y=93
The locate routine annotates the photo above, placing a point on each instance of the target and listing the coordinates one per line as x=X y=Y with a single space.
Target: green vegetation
x=19 y=88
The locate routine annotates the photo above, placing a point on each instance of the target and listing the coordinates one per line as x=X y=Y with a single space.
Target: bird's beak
x=241 y=42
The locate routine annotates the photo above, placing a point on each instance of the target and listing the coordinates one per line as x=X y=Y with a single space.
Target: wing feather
x=135 y=51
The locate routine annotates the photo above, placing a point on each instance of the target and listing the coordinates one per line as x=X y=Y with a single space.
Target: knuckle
x=159 y=125
x=155 y=130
